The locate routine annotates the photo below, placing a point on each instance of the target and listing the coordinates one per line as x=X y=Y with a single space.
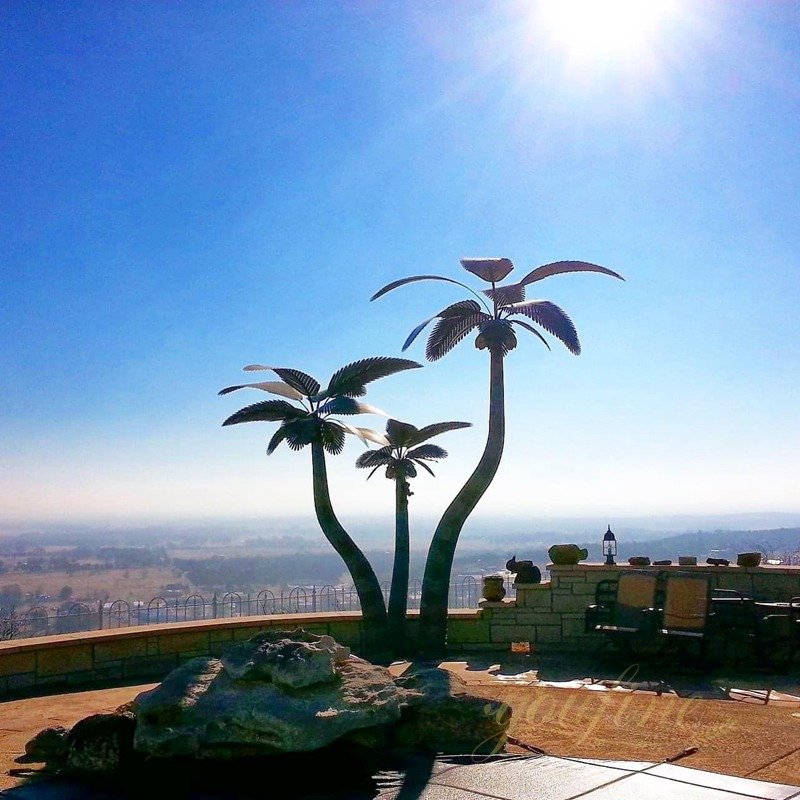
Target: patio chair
x=777 y=640
x=687 y=613
x=631 y=621
x=599 y=613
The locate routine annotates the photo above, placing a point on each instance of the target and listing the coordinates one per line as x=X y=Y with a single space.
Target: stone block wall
x=550 y=615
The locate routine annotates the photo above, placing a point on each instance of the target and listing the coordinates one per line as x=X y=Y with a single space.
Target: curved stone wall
x=150 y=652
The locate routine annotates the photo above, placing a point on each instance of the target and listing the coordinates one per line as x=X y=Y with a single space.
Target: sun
x=615 y=31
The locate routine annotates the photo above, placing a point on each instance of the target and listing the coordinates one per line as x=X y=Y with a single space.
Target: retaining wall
x=550 y=615
x=150 y=652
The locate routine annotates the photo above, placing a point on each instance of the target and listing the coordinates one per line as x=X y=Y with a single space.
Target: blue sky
x=189 y=188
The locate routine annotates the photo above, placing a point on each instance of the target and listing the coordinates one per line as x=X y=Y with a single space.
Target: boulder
x=48 y=745
x=100 y=743
x=443 y=716
x=278 y=692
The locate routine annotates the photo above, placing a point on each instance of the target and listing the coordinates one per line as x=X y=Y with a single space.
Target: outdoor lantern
x=609 y=546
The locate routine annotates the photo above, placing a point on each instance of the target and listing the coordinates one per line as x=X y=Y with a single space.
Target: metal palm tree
x=495 y=322
x=314 y=422
x=401 y=456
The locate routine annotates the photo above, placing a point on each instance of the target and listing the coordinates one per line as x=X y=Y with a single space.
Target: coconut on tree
x=313 y=420
x=495 y=315
x=406 y=449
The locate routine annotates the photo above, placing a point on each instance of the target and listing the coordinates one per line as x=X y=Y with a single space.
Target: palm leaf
x=562 y=267
x=425 y=466
x=496 y=334
x=279 y=435
x=552 y=318
x=449 y=331
x=299 y=380
x=503 y=295
x=416 y=332
x=273 y=387
x=413 y=279
x=348 y=406
x=400 y=434
x=365 y=434
x=268 y=411
x=375 y=458
x=373 y=471
x=429 y=431
x=302 y=432
x=351 y=379
x=331 y=435
x=531 y=329
x=491 y=270
x=429 y=451
x=373 y=436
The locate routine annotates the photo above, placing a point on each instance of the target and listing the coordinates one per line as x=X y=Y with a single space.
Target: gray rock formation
x=278 y=692
x=100 y=743
x=48 y=745
x=443 y=716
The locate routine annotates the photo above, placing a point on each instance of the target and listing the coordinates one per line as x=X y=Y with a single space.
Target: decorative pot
x=748 y=559
x=565 y=554
x=665 y=562
x=493 y=589
x=639 y=561
x=687 y=561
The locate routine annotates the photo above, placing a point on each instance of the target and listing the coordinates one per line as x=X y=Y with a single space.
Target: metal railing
x=82 y=616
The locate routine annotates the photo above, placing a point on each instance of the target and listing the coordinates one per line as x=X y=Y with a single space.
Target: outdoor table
x=792 y=608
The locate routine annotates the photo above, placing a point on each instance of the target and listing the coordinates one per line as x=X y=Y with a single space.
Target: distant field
x=114 y=584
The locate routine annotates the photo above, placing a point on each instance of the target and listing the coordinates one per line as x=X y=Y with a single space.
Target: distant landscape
x=56 y=566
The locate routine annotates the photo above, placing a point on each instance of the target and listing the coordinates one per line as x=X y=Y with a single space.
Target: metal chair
x=687 y=613
x=631 y=621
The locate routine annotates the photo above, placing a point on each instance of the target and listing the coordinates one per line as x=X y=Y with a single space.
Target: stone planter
x=493 y=589
x=748 y=559
x=566 y=554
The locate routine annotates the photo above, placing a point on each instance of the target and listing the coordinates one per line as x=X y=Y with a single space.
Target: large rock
x=278 y=692
x=442 y=715
x=100 y=743
x=48 y=745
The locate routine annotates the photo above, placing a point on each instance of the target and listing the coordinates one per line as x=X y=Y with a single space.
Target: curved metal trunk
x=366 y=583
x=439 y=564
x=398 y=595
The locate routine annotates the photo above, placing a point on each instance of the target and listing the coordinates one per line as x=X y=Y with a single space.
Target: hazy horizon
x=377 y=531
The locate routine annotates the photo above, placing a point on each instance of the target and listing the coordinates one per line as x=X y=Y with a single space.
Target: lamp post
x=609 y=546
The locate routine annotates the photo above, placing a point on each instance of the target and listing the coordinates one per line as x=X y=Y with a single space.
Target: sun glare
x=616 y=31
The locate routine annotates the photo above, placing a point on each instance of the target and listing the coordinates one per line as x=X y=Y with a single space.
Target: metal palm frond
x=504 y=295
x=491 y=270
x=563 y=267
x=532 y=330
x=348 y=406
x=375 y=458
x=331 y=436
x=430 y=452
x=300 y=381
x=273 y=387
x=400 y=434
x=552 y=318
x=351 y=379
x=450 y=330
x=268 y=411
x=437 y=428
x=413 y=279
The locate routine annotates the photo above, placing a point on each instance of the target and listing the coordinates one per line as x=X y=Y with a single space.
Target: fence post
x=214 y=606
x=100 y=616
x=314 y=598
